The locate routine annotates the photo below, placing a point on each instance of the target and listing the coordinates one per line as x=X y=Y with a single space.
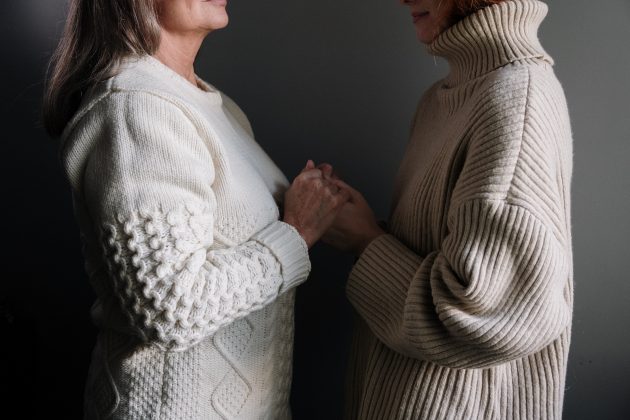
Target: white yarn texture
x=194 y=274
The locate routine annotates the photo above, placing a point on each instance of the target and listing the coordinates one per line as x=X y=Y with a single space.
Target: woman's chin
x=424 y=38
x=223 y=23
x=218 y=22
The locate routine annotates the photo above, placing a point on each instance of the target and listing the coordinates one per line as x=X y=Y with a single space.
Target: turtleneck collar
x=491 y=38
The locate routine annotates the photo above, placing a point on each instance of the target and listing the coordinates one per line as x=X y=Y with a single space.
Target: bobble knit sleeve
x=148 y=185
x=495 y=290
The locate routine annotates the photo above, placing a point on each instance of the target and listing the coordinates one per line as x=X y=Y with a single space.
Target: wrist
x=304 y=233
x=368 y=239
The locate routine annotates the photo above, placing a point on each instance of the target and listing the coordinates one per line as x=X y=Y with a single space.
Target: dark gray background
x=334 y=80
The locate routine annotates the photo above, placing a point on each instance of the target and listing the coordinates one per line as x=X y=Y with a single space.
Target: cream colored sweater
x=193 y=271
x=465 y=306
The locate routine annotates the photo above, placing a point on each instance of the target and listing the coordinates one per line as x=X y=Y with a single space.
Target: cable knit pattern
x=465 y=306
x=177 y=207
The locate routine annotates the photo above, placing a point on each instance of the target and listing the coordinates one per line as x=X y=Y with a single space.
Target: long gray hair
x=98 y=34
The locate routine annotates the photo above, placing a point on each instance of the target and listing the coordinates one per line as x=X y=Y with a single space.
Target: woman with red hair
x=464 y=301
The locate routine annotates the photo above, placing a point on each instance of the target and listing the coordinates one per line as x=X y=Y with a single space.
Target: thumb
x=355 y=195
x=327 y=170
x=345 y=195
x=309 y=165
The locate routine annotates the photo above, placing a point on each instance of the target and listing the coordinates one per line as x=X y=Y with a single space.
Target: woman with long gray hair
x=178 y=210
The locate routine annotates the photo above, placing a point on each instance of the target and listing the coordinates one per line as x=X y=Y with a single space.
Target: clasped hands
x=322 y=206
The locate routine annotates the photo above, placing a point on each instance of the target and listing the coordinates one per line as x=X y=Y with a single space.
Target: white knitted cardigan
x=466 y=304
x=193 y=271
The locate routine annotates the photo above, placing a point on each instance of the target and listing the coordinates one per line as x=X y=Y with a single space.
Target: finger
x=334 y=189
x=328 y=183
x=309 y=174
x=327 y=169
x=309 y=165
x=331 y=191
x=354 y=194
x=343 y=196
x=335 y=174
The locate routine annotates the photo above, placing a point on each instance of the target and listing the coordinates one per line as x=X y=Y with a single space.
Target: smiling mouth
x=419 y=15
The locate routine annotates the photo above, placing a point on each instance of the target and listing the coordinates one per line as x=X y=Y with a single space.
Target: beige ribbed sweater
x=465 y=306
x=193 y=272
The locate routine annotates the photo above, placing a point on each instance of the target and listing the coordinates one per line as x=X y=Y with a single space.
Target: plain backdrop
x=329 y=80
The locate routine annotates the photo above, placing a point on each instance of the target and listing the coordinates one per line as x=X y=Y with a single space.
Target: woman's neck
x=178 y=52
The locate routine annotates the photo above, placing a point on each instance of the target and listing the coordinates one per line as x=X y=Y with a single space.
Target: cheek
x=211 y=16
x=176 y=15
x=433 y=27
x=447 y=16
x=428 y=29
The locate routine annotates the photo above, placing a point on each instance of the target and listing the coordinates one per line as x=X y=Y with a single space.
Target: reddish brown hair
x=463 y=8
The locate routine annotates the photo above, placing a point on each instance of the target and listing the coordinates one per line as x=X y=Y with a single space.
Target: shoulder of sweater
x=101 y=102
x=127 y=115
x=147 y=74
x=519 y=132
x=519 y=80
x=156 y=84
x=517 y=97
x=137 y=81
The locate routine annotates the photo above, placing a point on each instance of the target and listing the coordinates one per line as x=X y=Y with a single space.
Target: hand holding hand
x=355 y=225
x=328 y=172
x=312 y=202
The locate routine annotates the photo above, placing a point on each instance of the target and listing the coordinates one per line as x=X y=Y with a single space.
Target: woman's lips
x=419 y=15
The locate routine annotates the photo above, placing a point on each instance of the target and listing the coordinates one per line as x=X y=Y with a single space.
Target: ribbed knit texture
x=464 y=307
x=194 y=273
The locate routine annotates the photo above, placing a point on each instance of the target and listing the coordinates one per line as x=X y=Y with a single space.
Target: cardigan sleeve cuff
x=289 y=248
x=380 y=279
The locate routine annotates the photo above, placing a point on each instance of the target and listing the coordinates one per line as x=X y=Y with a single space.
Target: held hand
x=312 y=202
x=355 y=225
x=328 y=172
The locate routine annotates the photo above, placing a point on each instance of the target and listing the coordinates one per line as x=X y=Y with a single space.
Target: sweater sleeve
x=149 y=189
x=495 y=289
